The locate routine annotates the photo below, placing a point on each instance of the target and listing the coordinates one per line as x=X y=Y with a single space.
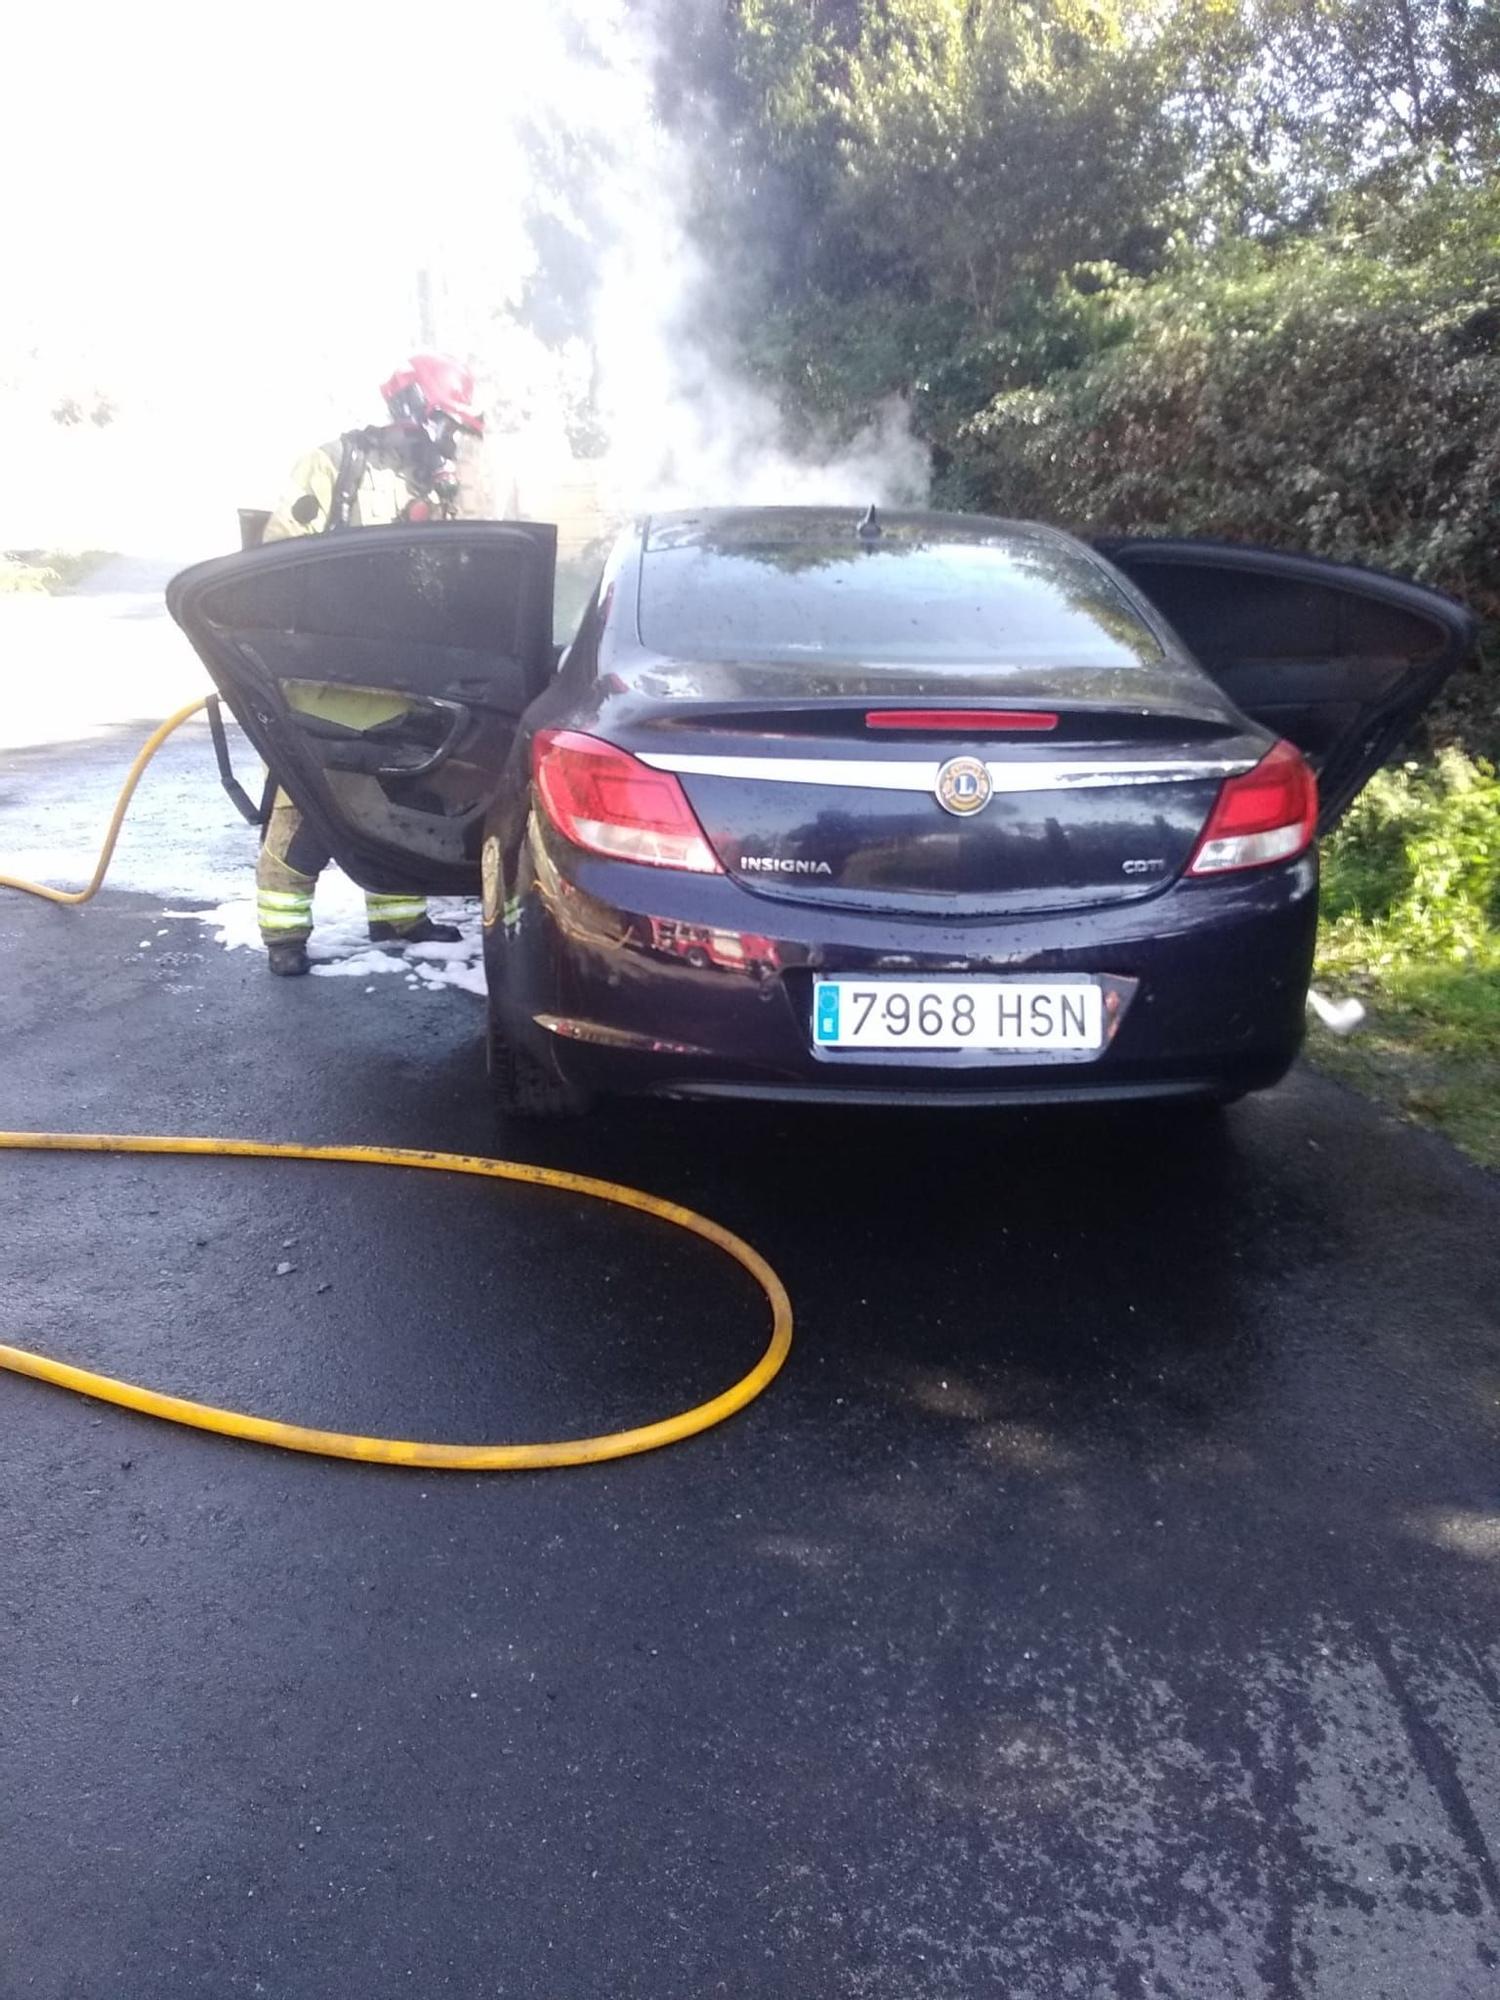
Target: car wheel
x=522 y=1087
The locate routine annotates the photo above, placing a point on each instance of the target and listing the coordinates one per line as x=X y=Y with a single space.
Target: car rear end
x=941 y=813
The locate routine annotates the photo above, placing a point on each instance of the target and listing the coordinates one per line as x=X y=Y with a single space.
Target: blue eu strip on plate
x=828 y=1014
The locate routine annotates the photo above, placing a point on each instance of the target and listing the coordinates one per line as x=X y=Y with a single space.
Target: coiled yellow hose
x=341 y=1444
x=401 y=1451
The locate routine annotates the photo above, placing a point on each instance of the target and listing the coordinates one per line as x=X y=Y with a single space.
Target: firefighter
x=399 y=471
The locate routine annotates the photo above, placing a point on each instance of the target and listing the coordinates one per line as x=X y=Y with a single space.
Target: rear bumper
x=631 y=979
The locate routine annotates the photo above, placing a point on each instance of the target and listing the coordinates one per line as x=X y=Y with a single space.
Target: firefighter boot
x=287 y=957
x=423 y=931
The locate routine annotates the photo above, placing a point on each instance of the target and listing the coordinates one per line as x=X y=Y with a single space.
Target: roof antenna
x=869 y=529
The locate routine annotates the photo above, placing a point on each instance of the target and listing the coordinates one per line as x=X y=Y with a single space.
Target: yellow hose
x=147 y=751
x=342 y=1444
x=400 y=1451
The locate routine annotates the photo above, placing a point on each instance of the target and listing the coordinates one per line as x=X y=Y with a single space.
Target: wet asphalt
x=1104 y=1602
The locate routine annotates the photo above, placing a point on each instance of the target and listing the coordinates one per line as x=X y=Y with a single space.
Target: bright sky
x=216 y=218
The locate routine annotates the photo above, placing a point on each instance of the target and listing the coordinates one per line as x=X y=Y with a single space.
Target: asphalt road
x=1103 y=1603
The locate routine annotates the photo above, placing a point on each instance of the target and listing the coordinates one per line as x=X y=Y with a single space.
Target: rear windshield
x=1022 y=600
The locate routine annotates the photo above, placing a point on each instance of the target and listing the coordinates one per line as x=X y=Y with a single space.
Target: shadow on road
x=1275 y=1319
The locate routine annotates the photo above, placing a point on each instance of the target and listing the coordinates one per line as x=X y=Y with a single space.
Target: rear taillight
x=1269 y=814
x=603 y=799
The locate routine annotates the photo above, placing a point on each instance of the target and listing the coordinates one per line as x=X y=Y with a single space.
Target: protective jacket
x=358 y=481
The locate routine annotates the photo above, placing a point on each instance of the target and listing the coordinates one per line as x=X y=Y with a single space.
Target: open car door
x=1341 y=660
x=382 y=674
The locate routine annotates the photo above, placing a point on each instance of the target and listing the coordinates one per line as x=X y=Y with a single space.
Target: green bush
x=46 y=573
x=32 y=578
x=1414 y=871
x=1411 y=888
x=1339 y=393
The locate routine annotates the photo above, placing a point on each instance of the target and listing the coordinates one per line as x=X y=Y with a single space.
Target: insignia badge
x=963 y=786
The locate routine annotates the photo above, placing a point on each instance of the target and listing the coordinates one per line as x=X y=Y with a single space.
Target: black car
x=928 y=808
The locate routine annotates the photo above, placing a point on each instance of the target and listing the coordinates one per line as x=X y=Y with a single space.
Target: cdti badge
x=963 y=786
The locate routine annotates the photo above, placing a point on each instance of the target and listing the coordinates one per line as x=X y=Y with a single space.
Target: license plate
x=1058 y=1016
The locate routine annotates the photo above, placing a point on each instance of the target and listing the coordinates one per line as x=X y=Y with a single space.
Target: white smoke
x=686 y=426
x=238 y=222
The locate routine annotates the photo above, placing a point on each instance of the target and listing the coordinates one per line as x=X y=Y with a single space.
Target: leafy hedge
x=1339 y=394
x=1415 y=868
x=1411 y=905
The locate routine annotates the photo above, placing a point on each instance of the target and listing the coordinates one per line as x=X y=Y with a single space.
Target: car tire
x=523 y=1087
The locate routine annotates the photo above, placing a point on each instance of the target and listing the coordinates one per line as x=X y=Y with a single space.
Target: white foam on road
x=340 y=946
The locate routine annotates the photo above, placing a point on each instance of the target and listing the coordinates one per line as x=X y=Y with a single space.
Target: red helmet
x=430 y=385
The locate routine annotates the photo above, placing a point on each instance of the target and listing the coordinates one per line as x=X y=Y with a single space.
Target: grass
x=50 y=572
x=1412 y=928
x=1429 y=1050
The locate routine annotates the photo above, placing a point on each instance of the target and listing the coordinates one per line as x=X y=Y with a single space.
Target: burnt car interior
x=385 y=675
